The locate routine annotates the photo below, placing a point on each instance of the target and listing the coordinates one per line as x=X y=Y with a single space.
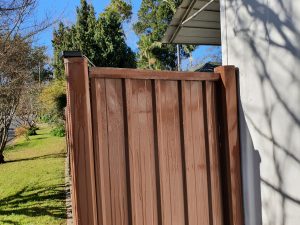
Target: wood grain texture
x=101 y=151
x=141 y=152
x=195 y=153
x=102 y=72
x=153 y=148
x=169 y=152
x=214 y=155
x=117 y=159
x=228 y=89
x=81 y=142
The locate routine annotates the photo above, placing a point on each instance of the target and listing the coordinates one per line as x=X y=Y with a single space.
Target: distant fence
x=153 y=147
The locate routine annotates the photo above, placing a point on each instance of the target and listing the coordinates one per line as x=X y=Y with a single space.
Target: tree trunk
x=2 y=146
x=3 y=141
x=1 y=158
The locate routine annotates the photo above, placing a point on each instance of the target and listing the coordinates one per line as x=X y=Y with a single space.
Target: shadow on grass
x=19 y=145
x=10 y=222
x=31 y=140
x=31 y=202
x=56 y=155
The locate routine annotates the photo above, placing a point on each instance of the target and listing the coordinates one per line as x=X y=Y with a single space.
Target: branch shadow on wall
x=263 y=29
x=250 y=172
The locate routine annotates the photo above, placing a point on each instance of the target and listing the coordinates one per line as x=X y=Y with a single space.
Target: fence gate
x=152 y=147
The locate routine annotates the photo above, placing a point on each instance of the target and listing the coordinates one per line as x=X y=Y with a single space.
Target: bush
x=59 y=131
x=32 y=131
x=60 y=104
x=22 y=131
x=47 y=118
x=53 y=100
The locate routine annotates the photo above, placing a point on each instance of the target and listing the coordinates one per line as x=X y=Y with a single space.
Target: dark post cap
x=70 y=54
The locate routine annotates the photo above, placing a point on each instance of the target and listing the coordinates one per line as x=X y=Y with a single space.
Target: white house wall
x=262 y=38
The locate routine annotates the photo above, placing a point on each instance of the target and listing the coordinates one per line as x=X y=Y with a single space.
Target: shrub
x=60 y=104
x=53 y=101
x=32 y=130
x=22 y=131
x=59 y=131
x=47 y=118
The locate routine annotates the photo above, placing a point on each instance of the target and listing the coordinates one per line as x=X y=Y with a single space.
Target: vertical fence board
x=230 y=142
x=117 y=157
x=101 y=151
x=169 y=152
x=81 y=142
x=141 y=152
x=195 y=153
x=214 y=156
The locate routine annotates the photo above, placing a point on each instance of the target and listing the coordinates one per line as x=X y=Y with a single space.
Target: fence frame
x=80 y=133
x=80 y=141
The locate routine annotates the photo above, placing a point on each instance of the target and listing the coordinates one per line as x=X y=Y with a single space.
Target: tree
x=93 y=37
x=51 y=100
x=147 y=57
x=15 y=71
x=29 y=107
x=85 y=30
x=153 y=19
x=16 y=58
x=16 y=19
x=112 y=49
x=42 y=71
x=63 y=39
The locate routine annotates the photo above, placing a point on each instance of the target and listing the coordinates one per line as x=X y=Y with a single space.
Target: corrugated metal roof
x=203 y=29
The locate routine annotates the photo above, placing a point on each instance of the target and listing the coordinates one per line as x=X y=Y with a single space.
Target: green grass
x=32 y=188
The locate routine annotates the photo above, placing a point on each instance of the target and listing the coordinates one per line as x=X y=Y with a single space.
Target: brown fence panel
x=162 y=153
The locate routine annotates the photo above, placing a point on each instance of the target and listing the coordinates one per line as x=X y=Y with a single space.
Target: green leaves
x=101 y=39
x=120 y=7
x=153 y=19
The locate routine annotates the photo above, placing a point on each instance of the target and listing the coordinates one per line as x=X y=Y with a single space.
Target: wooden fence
x=153 y=147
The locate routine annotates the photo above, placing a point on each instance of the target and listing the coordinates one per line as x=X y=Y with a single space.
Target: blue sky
x=65 y=11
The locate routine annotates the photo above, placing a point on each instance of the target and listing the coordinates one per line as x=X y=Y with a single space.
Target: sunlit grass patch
x=32 y=189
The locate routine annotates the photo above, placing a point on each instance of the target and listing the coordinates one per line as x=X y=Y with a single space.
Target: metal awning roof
x=202 y=29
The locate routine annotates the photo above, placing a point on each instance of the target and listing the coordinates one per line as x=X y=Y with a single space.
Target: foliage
x=18 y=57
x=32 y=183
x=59 y=130
x=46 y=118
x=52 y=100
x=153 y=19
x=16 y=63
x=42 y=70
x=60 y=104
x=29 y=108
x=26 y=131
x=113 y=51
x=32 y=130
x=22 y=131
x=93 y=37
x=63 y=38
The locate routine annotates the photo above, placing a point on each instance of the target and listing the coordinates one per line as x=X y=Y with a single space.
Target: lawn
x=32 y=182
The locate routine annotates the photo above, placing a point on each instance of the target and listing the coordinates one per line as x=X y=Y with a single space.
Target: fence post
x=80 y=140
x=229 y=145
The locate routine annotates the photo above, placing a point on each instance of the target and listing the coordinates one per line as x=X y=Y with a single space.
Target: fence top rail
x=117 y=73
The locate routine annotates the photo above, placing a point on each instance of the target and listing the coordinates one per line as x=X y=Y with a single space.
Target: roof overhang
x=195 y=22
